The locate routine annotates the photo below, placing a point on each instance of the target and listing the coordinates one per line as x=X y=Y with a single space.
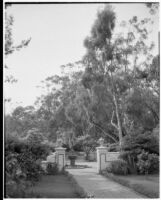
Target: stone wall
x=104 y=158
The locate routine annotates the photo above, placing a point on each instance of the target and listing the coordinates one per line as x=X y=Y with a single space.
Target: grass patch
x=147 y=185
x=55 y=186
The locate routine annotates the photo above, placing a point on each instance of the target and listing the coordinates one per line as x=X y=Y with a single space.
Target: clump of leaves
x=22 y=166
x=147 y=163
x=136 y=143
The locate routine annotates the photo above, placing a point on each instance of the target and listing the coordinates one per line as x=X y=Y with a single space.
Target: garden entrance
x=97 y=186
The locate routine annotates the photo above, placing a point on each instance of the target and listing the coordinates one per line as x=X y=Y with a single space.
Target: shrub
x=29 y=166
x=66 y=146
x=78 y=147
x=118 y=167
x=22 y=165
x=154 y=160
x=52 y=168
x=40 y=151
x=114 y=147
x=134 y=144
x=147 y=141
x=131 y=158
x=14 y=177
x=147 y=163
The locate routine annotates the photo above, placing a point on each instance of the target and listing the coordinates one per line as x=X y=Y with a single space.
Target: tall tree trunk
x=119 y=125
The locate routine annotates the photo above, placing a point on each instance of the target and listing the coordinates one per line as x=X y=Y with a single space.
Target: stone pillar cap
x=60 y=148
x=101 y=147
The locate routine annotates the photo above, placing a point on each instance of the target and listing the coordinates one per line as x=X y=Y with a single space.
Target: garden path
x=98 y=185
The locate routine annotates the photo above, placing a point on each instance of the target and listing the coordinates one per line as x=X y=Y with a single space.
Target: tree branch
x=105 y=133
x=112 y=123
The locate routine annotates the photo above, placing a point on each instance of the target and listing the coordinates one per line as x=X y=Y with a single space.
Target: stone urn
x=59 y=142
x=101 y=142
x=72 y=157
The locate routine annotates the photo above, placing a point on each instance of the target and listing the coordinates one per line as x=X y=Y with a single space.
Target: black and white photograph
x=81 y=99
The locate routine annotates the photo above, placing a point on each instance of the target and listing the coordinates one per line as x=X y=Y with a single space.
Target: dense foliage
x=22 y=166
x=147 y=163
x=134 y=146
x=119 y=167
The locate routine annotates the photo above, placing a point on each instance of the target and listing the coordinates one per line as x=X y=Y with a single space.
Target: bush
x=52 y=168
x=119 y=167
x=22 y=165
x=147 y=141
x=134 y=144
x=15 y=182
x=40 y=151
x=78 y=147
x=114 y=147
x=29 y=166
x=131 y=158
x=66 y=146
x=27 y=157
x=147 y=163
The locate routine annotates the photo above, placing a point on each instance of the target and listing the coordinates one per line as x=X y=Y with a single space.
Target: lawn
x=147 y=185
x=55 y=186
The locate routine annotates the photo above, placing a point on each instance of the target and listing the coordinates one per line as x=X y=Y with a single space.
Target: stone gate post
x=101 y=156
x=60 y=157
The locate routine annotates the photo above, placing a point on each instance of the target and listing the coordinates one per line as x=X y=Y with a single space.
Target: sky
x=57 y=33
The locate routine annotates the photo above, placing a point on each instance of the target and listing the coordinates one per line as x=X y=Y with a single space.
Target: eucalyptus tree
x=114 y=60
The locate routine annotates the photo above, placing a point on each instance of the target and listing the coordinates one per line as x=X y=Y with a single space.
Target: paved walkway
x=100 y=186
